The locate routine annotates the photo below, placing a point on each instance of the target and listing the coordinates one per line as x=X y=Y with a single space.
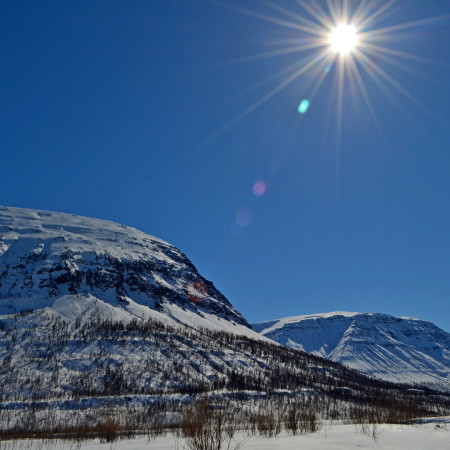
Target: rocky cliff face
x=48 y=256
x=391 y=348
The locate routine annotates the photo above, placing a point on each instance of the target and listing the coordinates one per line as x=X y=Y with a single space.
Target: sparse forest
x=111 y=379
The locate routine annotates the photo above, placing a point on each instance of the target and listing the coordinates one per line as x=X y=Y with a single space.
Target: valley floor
x=433 y=434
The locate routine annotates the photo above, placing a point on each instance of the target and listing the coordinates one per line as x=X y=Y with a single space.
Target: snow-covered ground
x=434 y=434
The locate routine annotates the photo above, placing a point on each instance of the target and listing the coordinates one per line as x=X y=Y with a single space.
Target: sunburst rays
x=368 y=57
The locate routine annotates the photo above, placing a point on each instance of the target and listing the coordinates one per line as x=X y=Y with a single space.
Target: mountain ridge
x=398 y=349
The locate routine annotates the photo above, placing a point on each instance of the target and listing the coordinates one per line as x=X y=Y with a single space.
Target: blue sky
x=144 y=113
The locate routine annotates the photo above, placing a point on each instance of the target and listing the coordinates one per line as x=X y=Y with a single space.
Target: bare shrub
x=206 y=428
x=292 y=419
x=268 y=423
x=302 y=418
x=108 y=430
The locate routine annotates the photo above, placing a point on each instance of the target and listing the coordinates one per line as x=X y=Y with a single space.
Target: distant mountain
x=398 y=349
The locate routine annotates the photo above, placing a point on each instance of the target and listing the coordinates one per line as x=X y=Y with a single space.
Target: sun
x=343 y=39
x=340 y=41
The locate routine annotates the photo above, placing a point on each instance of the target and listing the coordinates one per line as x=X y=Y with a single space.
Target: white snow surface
x=399 y=349
x=434 y=434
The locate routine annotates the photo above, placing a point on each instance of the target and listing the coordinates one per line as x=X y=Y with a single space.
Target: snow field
x=432 y=435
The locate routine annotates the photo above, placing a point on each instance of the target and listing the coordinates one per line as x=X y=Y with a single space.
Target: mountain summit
x=399 y=349
x=77 y=265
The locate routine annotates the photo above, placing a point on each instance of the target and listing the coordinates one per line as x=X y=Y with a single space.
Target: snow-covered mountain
x=76 y=265
x=91 y=308
x=399 y=349
x=94 y=312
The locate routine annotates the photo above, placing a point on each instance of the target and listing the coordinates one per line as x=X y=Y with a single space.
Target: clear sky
x=176 y=117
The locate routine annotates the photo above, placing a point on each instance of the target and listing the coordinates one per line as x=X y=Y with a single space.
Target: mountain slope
x=391 y=348
x=72 y=264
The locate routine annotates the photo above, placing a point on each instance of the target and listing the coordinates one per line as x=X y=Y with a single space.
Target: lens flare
x=197 y=292
x=303 y=107
x=243 y=218
x=259 y=188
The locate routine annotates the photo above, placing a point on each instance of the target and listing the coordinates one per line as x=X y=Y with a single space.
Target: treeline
x=207 y=422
